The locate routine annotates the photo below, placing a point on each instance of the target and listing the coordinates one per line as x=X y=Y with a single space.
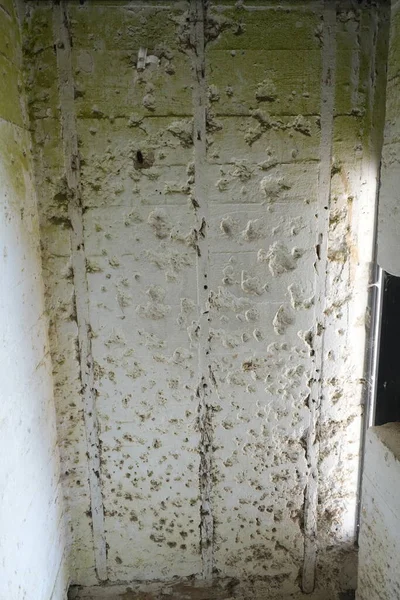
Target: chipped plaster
x=205 y=270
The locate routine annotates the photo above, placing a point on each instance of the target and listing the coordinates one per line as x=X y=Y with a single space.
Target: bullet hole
x=143 y=159
x=199 y=136
x=206 y=287
x=318 y=246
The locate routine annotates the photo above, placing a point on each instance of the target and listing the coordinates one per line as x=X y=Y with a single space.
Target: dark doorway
x=387 y=407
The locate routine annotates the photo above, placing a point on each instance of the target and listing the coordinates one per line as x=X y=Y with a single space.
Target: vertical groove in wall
x=205 y=386
x=72 y=171
x=321 y=266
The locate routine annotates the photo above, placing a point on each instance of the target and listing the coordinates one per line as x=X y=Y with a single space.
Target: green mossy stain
x=14 y=152
x=394 y=46
x=104 y=55
x=14 y=141
x=266 y=30
x=10 y=67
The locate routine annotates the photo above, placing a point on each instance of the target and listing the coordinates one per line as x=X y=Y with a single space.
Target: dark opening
x=387 y=407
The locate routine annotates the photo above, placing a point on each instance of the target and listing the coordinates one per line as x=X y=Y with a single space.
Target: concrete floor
x=179 y=591
x=226 y=590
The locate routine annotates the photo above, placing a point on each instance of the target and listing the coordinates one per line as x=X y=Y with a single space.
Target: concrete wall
x=389 y=201
x=380 y=525
x=31 y=515
x=206 y=214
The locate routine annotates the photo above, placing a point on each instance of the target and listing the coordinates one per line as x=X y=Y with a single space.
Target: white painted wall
x=378 y=576
x=32 y=561
x=389 y=198
x=378 y=572
x=206 y=225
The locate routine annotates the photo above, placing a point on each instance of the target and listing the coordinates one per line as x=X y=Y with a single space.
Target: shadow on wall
x=32 y=531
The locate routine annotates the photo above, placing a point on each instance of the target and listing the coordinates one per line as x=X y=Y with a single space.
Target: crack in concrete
x=197 y=16
x=321 y=263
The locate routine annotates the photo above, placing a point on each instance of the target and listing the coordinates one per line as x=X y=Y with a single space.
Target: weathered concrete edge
x=72 y=171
